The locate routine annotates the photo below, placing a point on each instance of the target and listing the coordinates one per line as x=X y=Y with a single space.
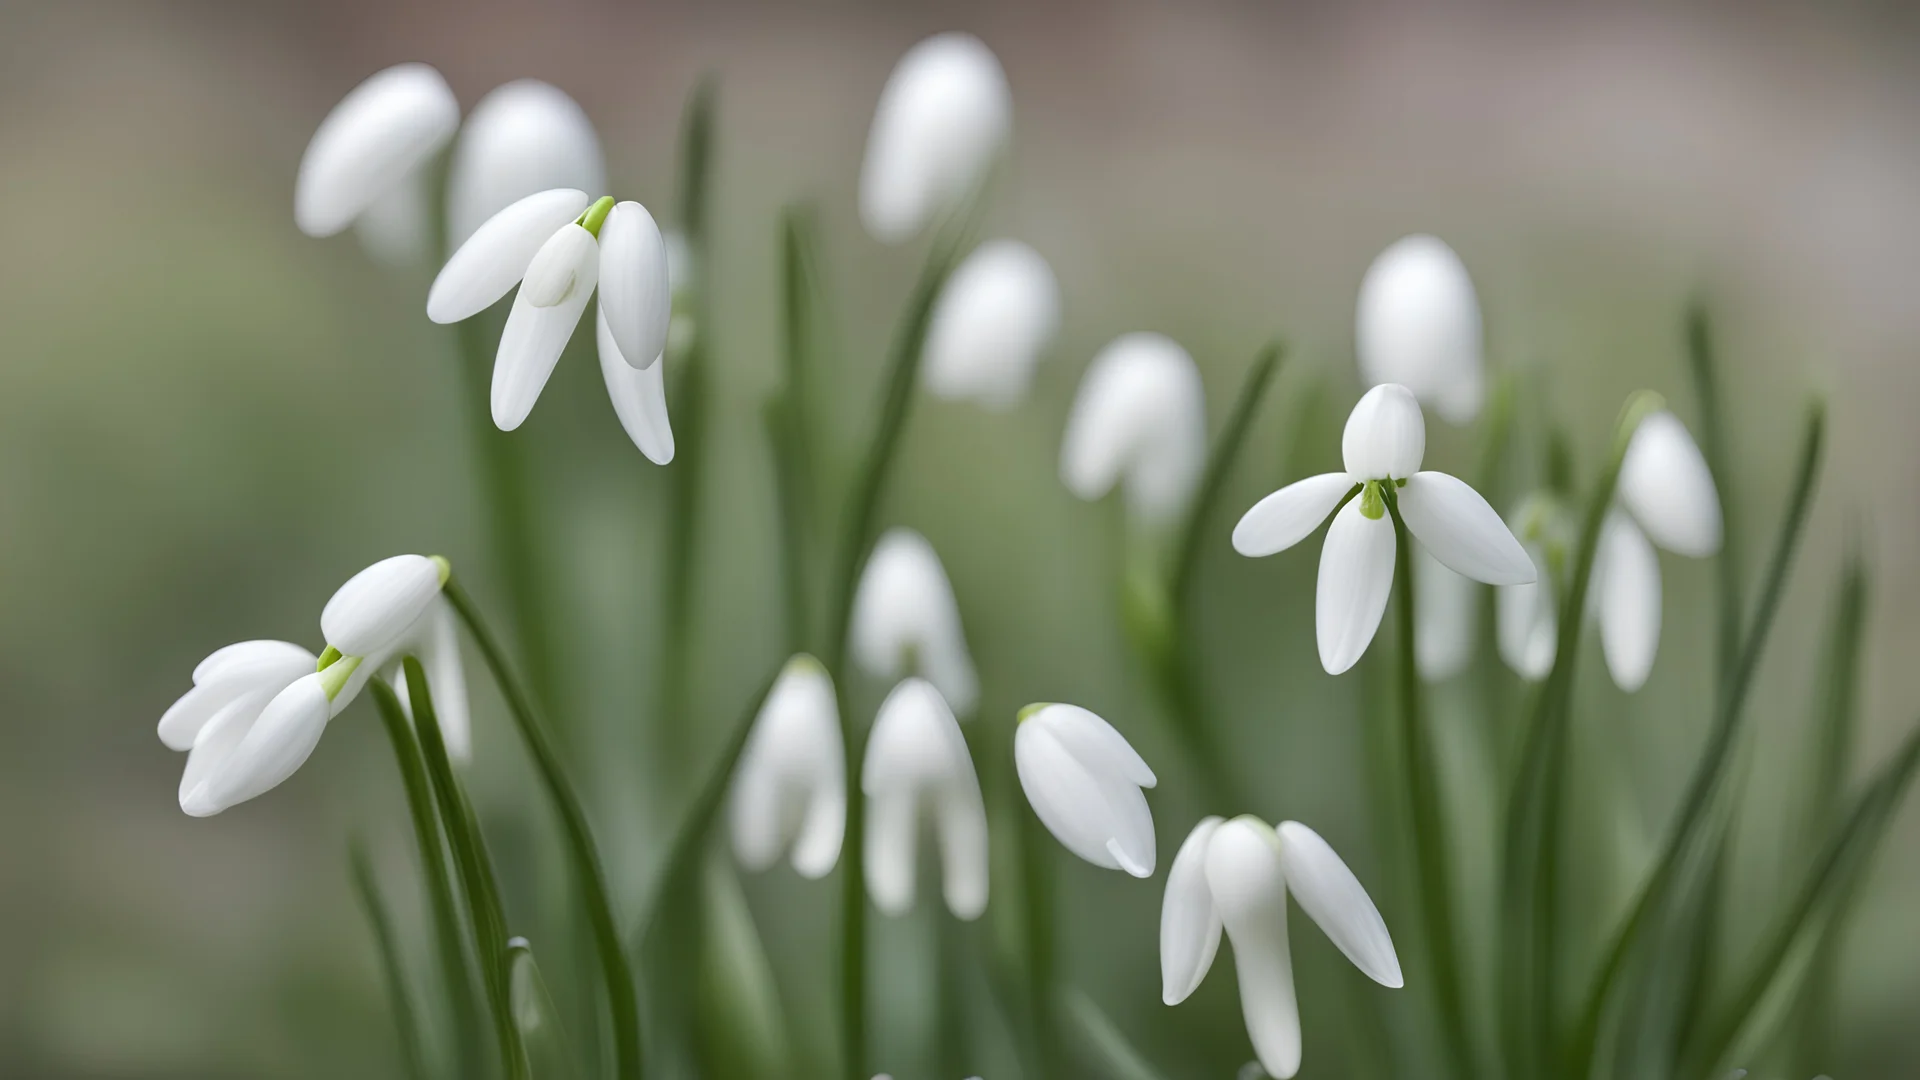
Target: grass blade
x=406 y=1019
x=1104 y=1046
x=549 y=1051
x=786 y=418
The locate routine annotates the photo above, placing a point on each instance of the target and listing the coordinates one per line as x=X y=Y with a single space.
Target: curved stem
x=622 y=998
x=405 y=1018
x=1435 y=882
x=446 y=914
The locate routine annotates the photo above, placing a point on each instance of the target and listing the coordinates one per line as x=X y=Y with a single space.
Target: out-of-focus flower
x=1084 y=782
x=1417 y=323
x=1140 y=420
x=524 y=137
x=1526 y=619
x=998 y=312
x=557 y=247
x=1384 y=442
x=1447 y=615
x=1236 y=875
x=370 y=147
x=790 y=790
x=906 y=621
x=916 y=757
x=942 y=118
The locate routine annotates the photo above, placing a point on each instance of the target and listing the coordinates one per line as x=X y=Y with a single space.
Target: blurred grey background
x=207 y=421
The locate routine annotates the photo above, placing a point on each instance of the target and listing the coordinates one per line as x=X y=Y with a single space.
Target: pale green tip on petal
x=1024 y=714
x=440 y=563
x=804 y=664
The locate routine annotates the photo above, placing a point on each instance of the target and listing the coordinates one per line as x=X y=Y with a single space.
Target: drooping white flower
x=1084 y=782
x=558 y=248
x=941 y=120
x=230 y=690
x=1446 y=618
x=524 y=137
x=371 y=145
x=377 y=605
x=1626 y=600
x=998 y=312
x=1235 y=875
x=1417 y=323
x=906 y=621
x=790 y=789
x=1384 y=442
x=1139 y=419
x=917 y=761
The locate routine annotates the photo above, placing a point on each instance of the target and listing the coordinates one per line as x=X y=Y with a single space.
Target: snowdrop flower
x=906 y=621
x=996 y=315
x=1418 y=324
x=1236 y=875
x=231 y=688
x=558 y=246
x=1140 y=419
x=917 y=759
x=1384 y=442
x=790 y=791
x=942 y=118
x=392 y=610
x=1666 y=498
x=1084 y=782
x=370 y=148
x=524 y=137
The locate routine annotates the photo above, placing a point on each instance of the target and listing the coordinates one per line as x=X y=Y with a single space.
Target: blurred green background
x=207 y=421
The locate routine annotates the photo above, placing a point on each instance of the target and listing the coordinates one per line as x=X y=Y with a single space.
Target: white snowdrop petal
x=229 y=673
x=1456 y=525
x=1064 y=795
x=817 y=847
x=1139 y=415
x=1332 y=897
x=498 y=253
x=437 y=645
x=1665 y=483
x=961 y=821
x=1527 y=630
x=1417 y=323
x=1094 y=741
x=1189 y=923
x=634 y=296
x=524 y=137
x=1385 y=435
x=943 y=115
x=555 y=269
x=244 y=659
x=917 y=754
x=904 y=609
x=378 y=134
x=1627 y=592
x=273 y=748
x=531 y=344
x=639 y=395
x=892 y=821
x=1447 y=613
x=1289 y=515
x=215 y=741
x=379 y=604
x=1356 y=577
x=997 y=313
x=1243 y=870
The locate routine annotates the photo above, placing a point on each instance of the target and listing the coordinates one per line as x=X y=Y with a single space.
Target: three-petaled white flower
x=790 y=789
x=1417 y=323
x=917 y=760
x=1140 y=420
x=993 y=319
x=906 y=621
x=258 y=708
x=1084 y=782
x=1384 y=442
x=1236 y=875
x=942 y=118
x=558 y=246
x=525 y=136
x=365 y=161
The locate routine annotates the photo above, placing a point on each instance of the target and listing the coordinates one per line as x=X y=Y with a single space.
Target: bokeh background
x=208 y=420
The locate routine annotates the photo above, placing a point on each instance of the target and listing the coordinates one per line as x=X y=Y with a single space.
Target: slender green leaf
x=1702 y=365
x=1103 y=1045
x=406 y=1019
x=787 y=423
x=549 y=1050
x=1220 y=462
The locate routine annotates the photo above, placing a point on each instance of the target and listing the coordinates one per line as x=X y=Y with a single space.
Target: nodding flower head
x=1235 y=875
x=790 y=789
x=917 y=761
x=1138 y=420
x=1084 y=782
x=1383 y=446
x=942 y=118
x=1418 y=324
x=906 y=621
x=559 y=247
x=371 y=146
x=524 y=137
x=997 y=314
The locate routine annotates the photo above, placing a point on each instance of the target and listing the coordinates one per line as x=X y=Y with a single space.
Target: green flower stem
x=1530 y=870
x=1105 y=1046
x=446 y=913
x=1710 y=775
x=1037 y=895
x=862 y=513
x=405 y=1019
x=622 y=999
x=786 y=419
x=1432 y=860
x=481 y=888
x=687 y=363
